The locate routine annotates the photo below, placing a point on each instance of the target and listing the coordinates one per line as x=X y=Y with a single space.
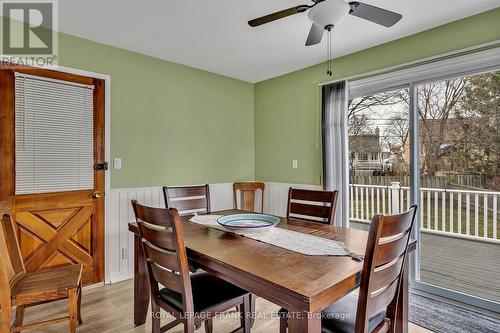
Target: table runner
x=288 y=239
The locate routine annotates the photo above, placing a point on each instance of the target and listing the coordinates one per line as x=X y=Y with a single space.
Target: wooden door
x=57 y=228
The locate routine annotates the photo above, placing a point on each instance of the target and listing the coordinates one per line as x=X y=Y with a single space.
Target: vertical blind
x=54 y=145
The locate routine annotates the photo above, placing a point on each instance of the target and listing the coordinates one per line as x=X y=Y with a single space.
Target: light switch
x=295 y=164
x=117 y=163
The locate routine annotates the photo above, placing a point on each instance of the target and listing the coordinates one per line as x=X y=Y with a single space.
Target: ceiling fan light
x=329 y=12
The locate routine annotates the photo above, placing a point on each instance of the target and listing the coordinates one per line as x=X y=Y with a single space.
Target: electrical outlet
x=295 y=164
x=124 y=254
x=117 y=163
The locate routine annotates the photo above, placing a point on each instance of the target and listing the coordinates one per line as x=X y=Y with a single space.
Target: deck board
x=471 y=267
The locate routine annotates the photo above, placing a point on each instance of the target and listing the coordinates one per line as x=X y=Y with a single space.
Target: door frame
x=107 y=147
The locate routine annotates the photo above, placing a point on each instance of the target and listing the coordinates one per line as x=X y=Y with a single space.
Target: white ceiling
x=213 y=34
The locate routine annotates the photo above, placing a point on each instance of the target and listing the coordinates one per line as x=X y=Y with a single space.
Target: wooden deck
x=471 y=267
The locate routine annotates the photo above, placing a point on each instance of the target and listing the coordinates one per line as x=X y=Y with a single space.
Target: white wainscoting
x=119 y=241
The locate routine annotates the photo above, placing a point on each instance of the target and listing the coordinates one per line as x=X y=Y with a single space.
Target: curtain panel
x=335 y=146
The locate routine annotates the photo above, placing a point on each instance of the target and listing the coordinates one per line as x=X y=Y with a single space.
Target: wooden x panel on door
x=56 y=231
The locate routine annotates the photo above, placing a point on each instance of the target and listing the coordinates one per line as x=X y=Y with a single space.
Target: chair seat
x=340 y=317
x=46 y=284
x=208 y=292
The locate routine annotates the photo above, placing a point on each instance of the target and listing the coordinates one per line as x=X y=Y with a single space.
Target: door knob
x=96 y=195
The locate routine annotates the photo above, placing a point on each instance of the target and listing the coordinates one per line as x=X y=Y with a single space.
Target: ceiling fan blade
x=315 y=35
x=375 y=14
x=278 y=15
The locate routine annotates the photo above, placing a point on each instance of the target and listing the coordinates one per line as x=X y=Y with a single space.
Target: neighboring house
x=365 y=153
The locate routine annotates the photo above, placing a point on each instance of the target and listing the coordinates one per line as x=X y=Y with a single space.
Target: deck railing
x=458 y=213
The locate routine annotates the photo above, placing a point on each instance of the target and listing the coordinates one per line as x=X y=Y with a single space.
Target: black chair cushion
x=340 y=317
x=208 y=291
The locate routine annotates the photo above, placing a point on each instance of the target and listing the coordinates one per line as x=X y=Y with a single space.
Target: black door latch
x=101 y=166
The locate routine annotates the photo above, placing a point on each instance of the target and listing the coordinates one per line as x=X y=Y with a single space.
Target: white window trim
x=464 y=65
x=474 y=63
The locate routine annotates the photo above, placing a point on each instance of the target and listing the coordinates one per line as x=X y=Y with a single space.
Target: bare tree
x=480 y=111
x=358 y=120
x=436 y=104
x=396 y=132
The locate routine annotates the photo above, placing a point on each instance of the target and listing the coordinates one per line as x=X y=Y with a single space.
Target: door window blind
x=54 y=145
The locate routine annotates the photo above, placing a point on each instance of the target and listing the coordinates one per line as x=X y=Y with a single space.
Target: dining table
x=303 y=284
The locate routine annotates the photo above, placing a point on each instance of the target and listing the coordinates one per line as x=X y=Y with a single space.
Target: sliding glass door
x=459 y=168
x=435 y=143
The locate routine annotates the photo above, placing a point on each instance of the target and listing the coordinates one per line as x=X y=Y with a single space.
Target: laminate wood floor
x=109 y=308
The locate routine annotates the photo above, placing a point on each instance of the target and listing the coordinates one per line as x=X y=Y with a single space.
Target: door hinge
x=101 y=166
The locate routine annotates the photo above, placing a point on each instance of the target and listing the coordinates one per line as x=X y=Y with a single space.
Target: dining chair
x=248 y=191
x=191 y=298
x=188 y=199
x=312 y=205
x=374 y=310
x=22 y=290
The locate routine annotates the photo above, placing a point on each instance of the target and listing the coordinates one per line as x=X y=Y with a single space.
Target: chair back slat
x=162 y=257
x=247 y=192
x=189 y=206
x=309 y=195
x=160 y=238
x=385 y=257
x=309 y=210
x=389 y=251
x=157 y=216
x=395 y=224
x=163 y=247
x=313 y=205
x=188 y=199
x=386 y=274
x=167 y=278
x=381 y=299
x=12 y=261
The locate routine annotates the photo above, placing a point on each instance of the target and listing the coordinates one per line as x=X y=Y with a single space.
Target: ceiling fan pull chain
x=327 y=55
x=329 y=51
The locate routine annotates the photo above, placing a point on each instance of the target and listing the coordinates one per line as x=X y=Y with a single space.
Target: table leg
x=402 y=310
x=253 y=299
x=141 y=284
x=304 y=322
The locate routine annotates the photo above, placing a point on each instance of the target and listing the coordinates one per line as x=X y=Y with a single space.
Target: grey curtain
x=335 y=146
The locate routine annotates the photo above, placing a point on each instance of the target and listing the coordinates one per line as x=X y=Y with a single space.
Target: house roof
x=364 y=143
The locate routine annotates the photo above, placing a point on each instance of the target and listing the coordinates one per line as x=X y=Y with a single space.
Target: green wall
x=171 y=124
x=287 y=107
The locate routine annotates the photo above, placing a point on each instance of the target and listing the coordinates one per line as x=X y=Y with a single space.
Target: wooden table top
x=313 y=280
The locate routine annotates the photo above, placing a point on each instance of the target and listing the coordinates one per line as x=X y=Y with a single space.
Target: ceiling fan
x=325 y=14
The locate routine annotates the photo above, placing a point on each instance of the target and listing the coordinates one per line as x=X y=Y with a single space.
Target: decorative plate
x=248 y=221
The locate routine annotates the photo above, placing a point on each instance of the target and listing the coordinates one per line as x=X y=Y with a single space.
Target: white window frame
x=476 y=60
